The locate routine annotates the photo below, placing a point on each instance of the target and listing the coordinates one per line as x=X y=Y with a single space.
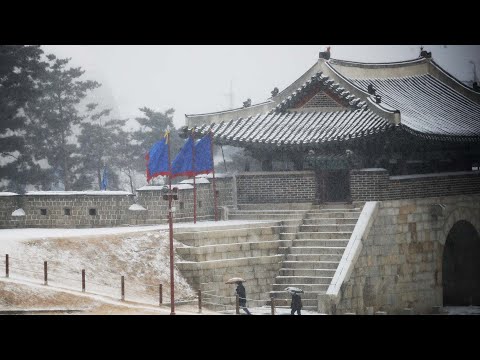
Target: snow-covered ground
x=139 y=253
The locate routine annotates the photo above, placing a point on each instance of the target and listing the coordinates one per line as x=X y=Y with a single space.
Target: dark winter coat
x=241 y=294
x=296 y=302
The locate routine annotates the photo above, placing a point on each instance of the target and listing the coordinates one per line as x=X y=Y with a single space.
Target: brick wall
x=276 y=187
x=375 y=184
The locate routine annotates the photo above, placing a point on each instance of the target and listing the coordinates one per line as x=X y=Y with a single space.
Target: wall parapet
x=377 y=185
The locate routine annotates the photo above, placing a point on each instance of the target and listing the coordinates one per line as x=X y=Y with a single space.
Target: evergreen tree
x=98 y=146
x=51 y=121
x=21 y=69
x=153 y=126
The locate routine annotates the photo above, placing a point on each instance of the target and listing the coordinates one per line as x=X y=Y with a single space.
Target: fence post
x=83 y=280
x=237 y=305
x=123 y=288
x=45 y=273
x=272 y=305
x=199 y=300
x=160 y=294
x=7 y=270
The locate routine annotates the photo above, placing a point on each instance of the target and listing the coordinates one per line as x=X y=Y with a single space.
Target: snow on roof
x=63 y=193
x=159 y=188
x=183 y=186
x=428 y=106
x=5 y=193
x=198 y=180
x=136 y=207
x=303 y=127
x=18 y=212
x=210 y=176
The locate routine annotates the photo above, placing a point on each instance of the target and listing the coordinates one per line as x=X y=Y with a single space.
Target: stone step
x=307 y=295
x=307 y=272
x=338 y=210
x=320 y=242
x=264 y=216
x=314 y=250
x=330 y=221
x=335 y=214
x=314 y=257
x=322 y=235
x=303 y=280
x=315 y=235
x=270 y=211
x=282 y=206
x=290 y=223
x=233 y=250
x=334 y=205
x=213 y=237
x=305 y=307
x=305 y=287
x=324 y=228
x=309 y=264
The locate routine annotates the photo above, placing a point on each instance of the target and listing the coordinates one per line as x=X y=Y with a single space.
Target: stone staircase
x=295 y=244
x=210 y=257
x=316 y=251
x=284 y=212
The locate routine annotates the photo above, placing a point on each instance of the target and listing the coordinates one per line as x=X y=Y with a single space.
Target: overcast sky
x=196 y=79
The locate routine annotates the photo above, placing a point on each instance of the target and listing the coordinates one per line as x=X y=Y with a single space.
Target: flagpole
x=194 y=182
x=170 y=226
x=213 y=172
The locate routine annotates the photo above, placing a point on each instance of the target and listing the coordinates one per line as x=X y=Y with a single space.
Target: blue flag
x=157 y=159
x=183 y=163
x=203 y=155
x=104 y=180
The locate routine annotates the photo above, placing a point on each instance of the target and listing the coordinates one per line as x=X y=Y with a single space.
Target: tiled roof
x=428 y=107
x=316 y=83
x=297 y=128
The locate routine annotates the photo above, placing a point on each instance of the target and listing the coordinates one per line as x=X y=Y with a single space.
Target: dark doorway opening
x=461 y=266
x=333 y=186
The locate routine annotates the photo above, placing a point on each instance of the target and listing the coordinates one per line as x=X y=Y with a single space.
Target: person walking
x=296 y=304
x=242 y=297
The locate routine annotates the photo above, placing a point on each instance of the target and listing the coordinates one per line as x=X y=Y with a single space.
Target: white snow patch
x=78 y=193
x=198 y=180
x=18 y=212
x=159 y=188
x=136 y=207
x=5 y=193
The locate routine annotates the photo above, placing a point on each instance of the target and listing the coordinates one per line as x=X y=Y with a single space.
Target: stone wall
x=376 y=184
x=251 y=251
x=76 y=211
x=150 y=197
x=73 y=209
x=400 y=264
x=8 y=204
x=276 y=187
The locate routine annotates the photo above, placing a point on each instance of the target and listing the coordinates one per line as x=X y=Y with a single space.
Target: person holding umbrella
x=296 y=304
x=242 y=297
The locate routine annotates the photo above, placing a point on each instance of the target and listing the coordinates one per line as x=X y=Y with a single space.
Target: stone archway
x=461 y=266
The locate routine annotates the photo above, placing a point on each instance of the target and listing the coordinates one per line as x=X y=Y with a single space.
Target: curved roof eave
x=387 y=112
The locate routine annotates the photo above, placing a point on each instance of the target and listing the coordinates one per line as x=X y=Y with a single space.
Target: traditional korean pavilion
x=409 y=117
